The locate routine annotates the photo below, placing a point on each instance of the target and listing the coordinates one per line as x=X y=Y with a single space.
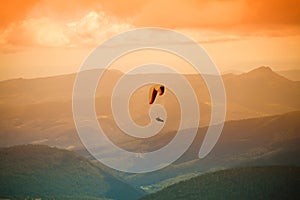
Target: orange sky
x=47 y=37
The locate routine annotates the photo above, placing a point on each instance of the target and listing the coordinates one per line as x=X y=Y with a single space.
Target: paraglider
x=160 y=89
x=159 y=119
x=154 y=90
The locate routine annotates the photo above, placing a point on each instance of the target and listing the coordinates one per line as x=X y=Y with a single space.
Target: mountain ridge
x=265 y=69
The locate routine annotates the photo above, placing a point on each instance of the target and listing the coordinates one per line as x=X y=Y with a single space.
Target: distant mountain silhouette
x=261 y=91
x=40 y=110
x=47 y=89
x=35 y=171
x=241 y=183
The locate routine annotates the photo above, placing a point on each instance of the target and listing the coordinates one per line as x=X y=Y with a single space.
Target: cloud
x=18 y=10
x=245 y=17
x=91 y=29
x=77 y=23
x=209 y=36
x=15 y=10
x=189 y=14
x=34 y=32
x=272 y=12
x=239 y=16
x=95 y=27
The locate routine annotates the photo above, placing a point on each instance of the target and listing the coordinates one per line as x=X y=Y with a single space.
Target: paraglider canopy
x=154 y=90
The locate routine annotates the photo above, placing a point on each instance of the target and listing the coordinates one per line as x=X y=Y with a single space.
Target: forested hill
x=240 y=183
x=38 y=171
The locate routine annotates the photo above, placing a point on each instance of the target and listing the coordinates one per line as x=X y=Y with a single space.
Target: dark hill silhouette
x=37 y=171
x=241 y=183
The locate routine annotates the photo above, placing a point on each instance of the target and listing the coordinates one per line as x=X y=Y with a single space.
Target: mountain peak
x=264 y=73
x=262 y=69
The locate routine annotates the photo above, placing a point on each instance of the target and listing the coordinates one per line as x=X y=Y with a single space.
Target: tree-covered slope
x=41 y=171
x=278 y=182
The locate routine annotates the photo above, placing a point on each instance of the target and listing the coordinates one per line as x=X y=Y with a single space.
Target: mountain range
x=39 y=111
x=261 y=129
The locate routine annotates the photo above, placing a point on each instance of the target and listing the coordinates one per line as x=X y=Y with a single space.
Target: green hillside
x=239 y=183
x=266 y=141
x=44 y=172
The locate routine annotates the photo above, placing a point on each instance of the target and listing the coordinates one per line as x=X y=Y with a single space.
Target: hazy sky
x=47 y=37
